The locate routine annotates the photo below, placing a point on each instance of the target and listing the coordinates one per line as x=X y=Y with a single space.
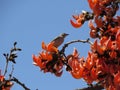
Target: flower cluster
x=75 y=62
x=101 y=65
x=81 y=68
x=104 y=17
x=49 y=59
x=81 y=18
x=103 y=62
x=5 y=84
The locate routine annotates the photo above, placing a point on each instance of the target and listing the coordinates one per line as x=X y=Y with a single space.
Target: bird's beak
x=67 y=34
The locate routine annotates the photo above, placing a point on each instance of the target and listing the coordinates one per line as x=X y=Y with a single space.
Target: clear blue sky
x=29 y=22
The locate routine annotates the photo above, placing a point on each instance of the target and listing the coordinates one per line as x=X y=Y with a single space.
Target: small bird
x=59 y=40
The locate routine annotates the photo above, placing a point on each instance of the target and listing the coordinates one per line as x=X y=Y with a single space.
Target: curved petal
x=49 y=57
x=78 y=74
x=37 y=61
x=51 y=48
x=98 y=21
x=75 y=53
x=76 y=17
x=74 y=24
x=117 y=78
x=44 y=46
x=91 y=25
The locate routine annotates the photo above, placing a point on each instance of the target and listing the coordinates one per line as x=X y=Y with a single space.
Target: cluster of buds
x=12 y=55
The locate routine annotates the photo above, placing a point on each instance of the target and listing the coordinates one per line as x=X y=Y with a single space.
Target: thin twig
x=6 y=66
x=74 y=41
x=65 y=62
x=83 y=41
x=18 y=82
x=10 y=75
x=11 y=56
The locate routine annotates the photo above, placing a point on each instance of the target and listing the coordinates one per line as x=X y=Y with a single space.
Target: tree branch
x=74 y=41
x=18 y=82
x=6 y=66
x=11 y=56
x=10 y=75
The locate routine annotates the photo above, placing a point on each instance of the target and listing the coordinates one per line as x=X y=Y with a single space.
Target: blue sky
x=29 y=22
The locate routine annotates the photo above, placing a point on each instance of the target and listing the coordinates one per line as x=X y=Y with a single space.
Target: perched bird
x=59 y=40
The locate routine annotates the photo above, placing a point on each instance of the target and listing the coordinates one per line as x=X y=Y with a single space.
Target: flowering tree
x=102 y=64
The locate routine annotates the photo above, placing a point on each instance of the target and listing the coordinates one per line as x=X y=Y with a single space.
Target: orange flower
x=77 y=69
x=91 y=26
x=111 y=87
x=97 y=47
x=103 y=40
x=94 y=73
x=96 y=6
x=50 y=47
x=89 y=63
x=49 y=63
x=42 y=58
x=49 y=59
x=79 y=21
x=99 y=21
x=76 y=64
x=117 y=79
x=46 y=56
x=108 y=43
x=118 y=40
x=93 y=30
x=113 y=54
x=90 y=71
x=92 y=3
x=37 y=61
x=1 y=78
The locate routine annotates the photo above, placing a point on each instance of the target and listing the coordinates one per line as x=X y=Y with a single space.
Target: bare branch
x=6 y=66
x=11 y=56
x=10 y=75
x=20 y=83
x=74 y=41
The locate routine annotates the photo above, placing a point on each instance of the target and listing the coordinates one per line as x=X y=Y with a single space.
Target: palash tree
x=102 y=64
